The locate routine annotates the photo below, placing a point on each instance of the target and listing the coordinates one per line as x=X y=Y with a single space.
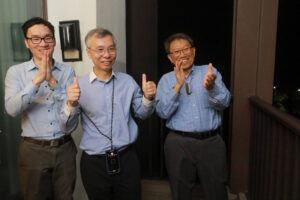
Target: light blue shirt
x=201 y=110
x=39 y=106
x=96 y=102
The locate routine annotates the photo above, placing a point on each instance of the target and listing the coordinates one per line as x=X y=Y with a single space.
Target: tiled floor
x=160 y=190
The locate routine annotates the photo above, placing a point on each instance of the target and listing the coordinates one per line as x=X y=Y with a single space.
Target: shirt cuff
x=147 y=102
x=70 y=110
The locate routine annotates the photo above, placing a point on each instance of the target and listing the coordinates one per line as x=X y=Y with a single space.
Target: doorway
x=148 y=24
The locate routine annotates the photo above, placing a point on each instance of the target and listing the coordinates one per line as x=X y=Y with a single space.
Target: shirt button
x=51 y=123
x=196 y=117
x=45 y=85
x=48 y=110
x=194 y=105
x=47 y=99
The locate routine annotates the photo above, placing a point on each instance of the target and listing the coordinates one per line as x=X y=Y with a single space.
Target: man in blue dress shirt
x=37 y=90
x=191 y=98
x=105 y=100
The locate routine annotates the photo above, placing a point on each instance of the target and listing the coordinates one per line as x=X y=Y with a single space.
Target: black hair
x=177 y=36
x=36 y=20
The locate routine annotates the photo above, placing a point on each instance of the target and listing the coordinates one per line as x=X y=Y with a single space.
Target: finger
x=209 y=68
x=46 y=58
x=175 y=70
x=144 y=80
x=76 y=84
x=178 y=64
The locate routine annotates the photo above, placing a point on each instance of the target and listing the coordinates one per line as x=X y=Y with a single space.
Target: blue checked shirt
x=39 y=106
x=96 y=102
x=201 y=110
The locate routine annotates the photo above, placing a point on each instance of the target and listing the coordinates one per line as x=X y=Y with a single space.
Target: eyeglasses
x=185 y=51
x=38 y=40
x=101 y=51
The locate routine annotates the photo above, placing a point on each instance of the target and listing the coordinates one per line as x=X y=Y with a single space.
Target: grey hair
x=99 y=33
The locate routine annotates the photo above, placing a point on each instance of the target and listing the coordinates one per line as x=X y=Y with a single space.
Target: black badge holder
x=112 y=162
x=188 y=88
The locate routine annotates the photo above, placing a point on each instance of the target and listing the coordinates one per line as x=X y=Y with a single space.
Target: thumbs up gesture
x=209 y=79
x=148 y=87
x=73 y=93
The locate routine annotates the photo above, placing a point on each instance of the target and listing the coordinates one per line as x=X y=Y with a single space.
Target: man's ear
x=26 y=43
x=170 y=59
x=88 y=52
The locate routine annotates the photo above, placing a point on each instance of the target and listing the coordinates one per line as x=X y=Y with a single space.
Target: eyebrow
x=50 y=34
x=181 y=48
x=113 y=45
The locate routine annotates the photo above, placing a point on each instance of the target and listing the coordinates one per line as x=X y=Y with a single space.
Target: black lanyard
x=112 y=117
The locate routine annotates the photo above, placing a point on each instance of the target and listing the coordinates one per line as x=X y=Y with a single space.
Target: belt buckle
x=54 y=143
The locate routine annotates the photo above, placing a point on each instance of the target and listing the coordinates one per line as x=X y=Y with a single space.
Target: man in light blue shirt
x=105 y=100
x=37 y=90
x=191 y=98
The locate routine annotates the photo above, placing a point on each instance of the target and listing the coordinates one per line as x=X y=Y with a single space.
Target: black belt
x=121 y=151
x=51 y=143
x=198 y=135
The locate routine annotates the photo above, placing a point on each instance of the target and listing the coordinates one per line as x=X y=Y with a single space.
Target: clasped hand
x=45 y=72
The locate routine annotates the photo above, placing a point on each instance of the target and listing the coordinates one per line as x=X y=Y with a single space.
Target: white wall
x=111 y=14
x=108 y=14
x=85 y=12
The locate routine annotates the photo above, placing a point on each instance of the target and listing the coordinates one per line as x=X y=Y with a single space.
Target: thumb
x=76 y=82
x=209 y=68
x=144 y=80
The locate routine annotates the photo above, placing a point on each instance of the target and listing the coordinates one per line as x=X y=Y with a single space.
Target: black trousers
x=101 y=186
x=187 y=158
x=47 y=173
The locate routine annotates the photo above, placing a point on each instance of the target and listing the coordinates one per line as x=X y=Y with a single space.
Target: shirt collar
x=32 y=65
x=93 y=76
x=191 y=72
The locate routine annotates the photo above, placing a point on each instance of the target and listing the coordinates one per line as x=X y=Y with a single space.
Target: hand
x=49 y=77
x=73 y=94
x=148 y=87
x=209 y=79
x=180 y=78
x=41 y=76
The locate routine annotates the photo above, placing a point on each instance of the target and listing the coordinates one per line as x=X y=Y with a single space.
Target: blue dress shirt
x=201 y=110
x=96 y=102
x=39 y=106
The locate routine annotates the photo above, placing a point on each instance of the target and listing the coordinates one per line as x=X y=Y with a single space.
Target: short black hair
x=177 y=36
x=36 y=20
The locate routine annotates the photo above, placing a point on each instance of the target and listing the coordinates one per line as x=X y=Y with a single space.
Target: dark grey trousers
x=187 y=158
x=47 y=173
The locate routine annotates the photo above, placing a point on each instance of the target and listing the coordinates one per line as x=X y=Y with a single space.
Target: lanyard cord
x=112 y=114
x=111 y=123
